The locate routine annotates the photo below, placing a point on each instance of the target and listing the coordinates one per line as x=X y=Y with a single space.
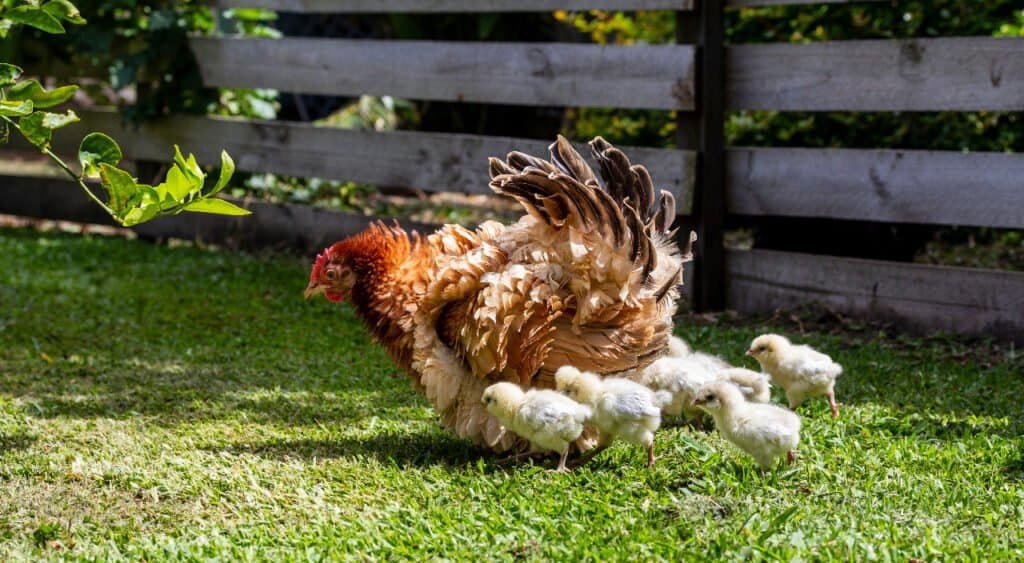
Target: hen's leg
x=589 y=456
x=518 y=456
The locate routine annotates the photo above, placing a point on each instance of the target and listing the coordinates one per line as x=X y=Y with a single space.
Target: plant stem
x=70 y=172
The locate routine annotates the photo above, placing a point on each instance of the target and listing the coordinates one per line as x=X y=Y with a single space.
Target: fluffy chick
x=622 y=408
x=799 y=369
x=677 y=347
x=548 y=419
x=764 y=431
x=683 y=376
x=756 y=387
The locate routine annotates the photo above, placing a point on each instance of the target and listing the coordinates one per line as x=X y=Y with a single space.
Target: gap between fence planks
x=899 y=186
x=925 y=297
x=433 y=162
x=536 y=74
x=944 y=74
x=449 y=6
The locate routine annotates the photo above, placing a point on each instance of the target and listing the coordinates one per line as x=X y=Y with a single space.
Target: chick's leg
x=832 y=403
x=650 y=454
x=561 y=462
x=790 y=457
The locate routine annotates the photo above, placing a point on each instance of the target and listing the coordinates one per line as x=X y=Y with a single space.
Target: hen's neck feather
x=388 y=266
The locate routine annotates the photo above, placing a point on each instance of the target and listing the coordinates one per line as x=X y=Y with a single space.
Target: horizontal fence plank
x=271 y=225
x=546 y=74
x=432 y=162
x=899 y=186
x=450 y=6
x=946 y=74
x=975 y=301
x=757 y=3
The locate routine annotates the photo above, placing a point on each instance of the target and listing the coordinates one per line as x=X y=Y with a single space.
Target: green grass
x=178 y=403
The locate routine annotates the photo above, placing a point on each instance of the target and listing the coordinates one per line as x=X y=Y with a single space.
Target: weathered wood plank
x=432 y=162
x=920 y=296
x=755 y=3
x=952 y=73
x=271 y=225
x=547 y=74
x=931 y=187
x=450 y=6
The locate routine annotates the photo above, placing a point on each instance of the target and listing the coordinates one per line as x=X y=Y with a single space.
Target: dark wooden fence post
x=704 y=131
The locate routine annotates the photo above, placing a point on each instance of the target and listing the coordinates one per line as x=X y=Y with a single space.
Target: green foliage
x=182 y=190
x=97 y=148
x=981 y=131
x=32 y=90
x=144 y=44
x=128 y=202
x=604 y=27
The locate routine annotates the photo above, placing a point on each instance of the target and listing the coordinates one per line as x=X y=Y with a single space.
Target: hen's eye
x=332 y=275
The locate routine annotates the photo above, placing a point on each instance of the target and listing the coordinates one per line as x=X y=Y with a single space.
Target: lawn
x=183 y=403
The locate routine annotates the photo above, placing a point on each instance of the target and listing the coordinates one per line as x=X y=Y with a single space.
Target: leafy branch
x=128 y=202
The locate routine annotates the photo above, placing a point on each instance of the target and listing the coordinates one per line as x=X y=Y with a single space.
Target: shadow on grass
x=11 y=442
x=191 y=393
x=1014 y=469
x=424 y=449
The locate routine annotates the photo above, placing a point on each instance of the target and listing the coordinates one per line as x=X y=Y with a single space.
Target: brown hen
x=588 y=277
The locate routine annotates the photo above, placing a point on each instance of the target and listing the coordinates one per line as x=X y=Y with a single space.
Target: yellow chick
x=682 y=377
x=678 y=347
x=548 y=419
x=764 y=431
x=756 y=387
x=621 y=408
x=799 y=369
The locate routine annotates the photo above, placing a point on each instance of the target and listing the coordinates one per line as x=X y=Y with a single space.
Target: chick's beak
x=749 y=352
x=313 y=289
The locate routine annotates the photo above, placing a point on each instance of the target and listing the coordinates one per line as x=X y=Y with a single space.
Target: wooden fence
x=701 y=77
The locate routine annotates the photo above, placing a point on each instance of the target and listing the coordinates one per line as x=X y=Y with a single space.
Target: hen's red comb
x=321 y=261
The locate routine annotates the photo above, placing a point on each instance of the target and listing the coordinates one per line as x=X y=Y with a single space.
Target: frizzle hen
x=588 y=276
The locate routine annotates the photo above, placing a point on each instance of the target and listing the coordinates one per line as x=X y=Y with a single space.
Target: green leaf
x=32 y=90
x=57 y=120
x=32 y=128
x=189 y=167
x=8 y=74
x=35 y=17
x=64 y=10
x=227 y=169
x=5 y=27
x=177 y=186
x=218 y=206
x=120 y=186
x=145 y=206
x=15 y=109
x=96 y=148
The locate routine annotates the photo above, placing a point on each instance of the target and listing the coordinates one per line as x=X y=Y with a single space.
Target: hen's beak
x=313 y=289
